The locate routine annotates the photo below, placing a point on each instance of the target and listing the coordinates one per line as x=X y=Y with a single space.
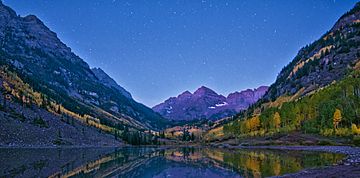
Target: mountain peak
x=31 y=18
x=357 y=6
x=205 y=103
x=6 y=11
x=185 y=94
x=348 y=18
x=203 y=90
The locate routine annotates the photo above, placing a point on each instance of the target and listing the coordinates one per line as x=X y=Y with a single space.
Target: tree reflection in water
x=158 y=162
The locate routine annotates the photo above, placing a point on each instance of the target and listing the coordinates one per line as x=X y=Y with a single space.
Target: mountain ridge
x=204 y=103
x=310 y=94
x=323 y=61
x=36 y=54
x=107 y=80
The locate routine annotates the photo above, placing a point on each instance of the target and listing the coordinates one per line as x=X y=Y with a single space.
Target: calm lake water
x=157 y=162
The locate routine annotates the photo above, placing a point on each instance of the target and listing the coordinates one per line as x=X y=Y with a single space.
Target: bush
x=355 y=130
x=343 y=132
x=252 y=134
x=356 y=140
x=21 y=117
x=287 y=129
x=325 y=143
x=271 y=133
x=327 y=132
x=40 y=122
x=262 y=132
x=60 y=141
x=309 y=126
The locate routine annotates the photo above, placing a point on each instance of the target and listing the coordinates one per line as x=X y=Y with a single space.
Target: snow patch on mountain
x=221 y=104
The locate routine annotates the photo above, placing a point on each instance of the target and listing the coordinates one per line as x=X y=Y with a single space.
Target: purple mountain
x=204 y=103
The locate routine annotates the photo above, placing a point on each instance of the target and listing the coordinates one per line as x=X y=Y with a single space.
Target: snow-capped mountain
x=205 y=103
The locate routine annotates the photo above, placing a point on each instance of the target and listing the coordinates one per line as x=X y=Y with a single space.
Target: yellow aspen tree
x=256 y=122
x=277 y=120
x=277 y=167
x=337 y=118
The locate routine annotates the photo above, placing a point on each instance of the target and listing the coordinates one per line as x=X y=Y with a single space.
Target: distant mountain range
x=204 y=103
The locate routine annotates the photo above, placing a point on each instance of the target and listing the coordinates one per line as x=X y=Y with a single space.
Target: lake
x=157 y=162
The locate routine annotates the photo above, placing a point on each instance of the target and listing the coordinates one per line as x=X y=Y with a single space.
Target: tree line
x=331 y=111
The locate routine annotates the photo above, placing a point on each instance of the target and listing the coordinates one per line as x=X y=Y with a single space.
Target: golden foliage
x=337 y=118
x=25 y=93
x=277 y=167
x=343 y=132
x=277 y=120
x=253 y=164
x=215 y=133
x=19 y=89
x=327 y=132
x=254 y=123
x=317 y=55
x=355 y=130
x=284 y=99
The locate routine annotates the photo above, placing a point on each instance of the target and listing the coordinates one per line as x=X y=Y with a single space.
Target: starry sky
x=158 y=49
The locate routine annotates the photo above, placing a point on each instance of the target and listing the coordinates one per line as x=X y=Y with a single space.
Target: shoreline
x=59 y=147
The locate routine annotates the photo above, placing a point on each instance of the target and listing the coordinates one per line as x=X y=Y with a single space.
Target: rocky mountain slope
x=204 y=103
x=38 y=70
x=36 y=127
x=322 y=62
x=109 y=82
x=317 y=92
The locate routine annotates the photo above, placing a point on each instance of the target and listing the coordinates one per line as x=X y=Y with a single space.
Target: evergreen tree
x=192 y=138
x=58 y=110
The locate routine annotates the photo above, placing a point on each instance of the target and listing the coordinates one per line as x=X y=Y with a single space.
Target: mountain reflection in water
x=157 y=162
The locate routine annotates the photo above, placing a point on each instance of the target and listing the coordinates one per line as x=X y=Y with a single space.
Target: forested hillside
x=333 y=110
x=318 y=64
x=318 y=92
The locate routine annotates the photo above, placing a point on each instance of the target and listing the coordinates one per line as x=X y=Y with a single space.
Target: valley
x=54 y=108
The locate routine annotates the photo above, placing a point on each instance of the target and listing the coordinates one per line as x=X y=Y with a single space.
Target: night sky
x=158 y=49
